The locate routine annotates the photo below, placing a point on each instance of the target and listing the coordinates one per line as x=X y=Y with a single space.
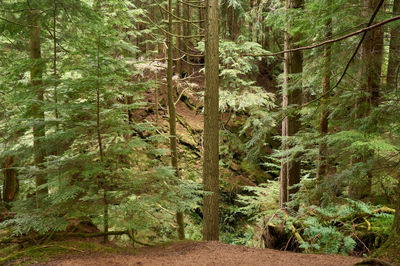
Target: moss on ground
x=46 y=252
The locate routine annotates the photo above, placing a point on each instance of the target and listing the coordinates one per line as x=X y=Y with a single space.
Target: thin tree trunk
x=102 y=181
x=100 y=141
x=211 y=125
x=37 y=112
x=172 y=118
x=394 y=51
x=290 y=167
x=156 y=100
x=178 y=39
x=55 y=76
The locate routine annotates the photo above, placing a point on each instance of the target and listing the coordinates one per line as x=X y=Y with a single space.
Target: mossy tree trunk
x=390 y=250
x=211 y=125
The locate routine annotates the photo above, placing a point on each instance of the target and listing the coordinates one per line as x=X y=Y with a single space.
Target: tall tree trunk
x=37 y=111
x=371 y=58
x=394 y=51
x=211 y=125
x=10 y=186
x=172 y=117
x=102 y=180
x=290 y=167
x=323 y=125
x=55 y=76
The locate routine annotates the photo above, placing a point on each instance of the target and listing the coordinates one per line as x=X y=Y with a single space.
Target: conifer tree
x=38 y=90
x=292 y=96
x=211 y=125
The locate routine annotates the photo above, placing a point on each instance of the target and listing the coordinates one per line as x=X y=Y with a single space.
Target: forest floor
x=203 y=253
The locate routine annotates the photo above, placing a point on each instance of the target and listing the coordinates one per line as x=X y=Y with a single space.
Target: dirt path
x=208 y=253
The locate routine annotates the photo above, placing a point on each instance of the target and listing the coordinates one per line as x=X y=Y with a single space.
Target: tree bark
x=394 y=51
x=37 y=112
x=290 y=167
x=172 y=117
x=211 y=124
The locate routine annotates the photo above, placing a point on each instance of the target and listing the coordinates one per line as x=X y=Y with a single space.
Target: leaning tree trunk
x=38 y=89
x=172 y=117
x=211 y=125
x=290 y=167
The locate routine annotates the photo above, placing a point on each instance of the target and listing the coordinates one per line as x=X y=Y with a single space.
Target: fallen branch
x=385 y=209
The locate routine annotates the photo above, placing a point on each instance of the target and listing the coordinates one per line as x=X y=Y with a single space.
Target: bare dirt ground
x=207 y=253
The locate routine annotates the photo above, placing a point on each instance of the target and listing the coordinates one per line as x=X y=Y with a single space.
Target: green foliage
x=96 y=75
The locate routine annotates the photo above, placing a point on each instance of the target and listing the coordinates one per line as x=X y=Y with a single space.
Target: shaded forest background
x=102 y=122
